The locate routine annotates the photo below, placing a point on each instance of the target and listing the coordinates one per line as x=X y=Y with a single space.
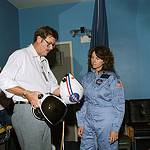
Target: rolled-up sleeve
x=7 y=76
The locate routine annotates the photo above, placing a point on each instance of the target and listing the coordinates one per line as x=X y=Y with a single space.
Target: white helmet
x=71 y=90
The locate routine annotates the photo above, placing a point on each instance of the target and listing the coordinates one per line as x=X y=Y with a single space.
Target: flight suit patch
x=119 y=84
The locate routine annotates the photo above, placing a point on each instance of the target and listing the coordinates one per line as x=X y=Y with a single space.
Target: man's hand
x=57 y=92
x=32 y=97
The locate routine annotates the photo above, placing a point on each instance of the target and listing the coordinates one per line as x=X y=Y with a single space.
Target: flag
x=99 y=25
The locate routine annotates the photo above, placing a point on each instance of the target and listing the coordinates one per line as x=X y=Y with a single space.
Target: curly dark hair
x=45 y=31
x=105 y=54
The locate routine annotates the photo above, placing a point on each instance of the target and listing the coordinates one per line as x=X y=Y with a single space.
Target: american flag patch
x=119 y=84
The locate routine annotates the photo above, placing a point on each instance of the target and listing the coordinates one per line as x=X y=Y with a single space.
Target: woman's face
x=96 y=62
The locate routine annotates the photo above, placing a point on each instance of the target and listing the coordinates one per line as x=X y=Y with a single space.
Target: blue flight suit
x=102 y=110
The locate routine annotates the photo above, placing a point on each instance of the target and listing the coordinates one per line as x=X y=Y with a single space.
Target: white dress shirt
x=24 y=69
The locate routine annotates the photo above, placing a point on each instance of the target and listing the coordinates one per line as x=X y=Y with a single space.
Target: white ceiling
x=36 y=3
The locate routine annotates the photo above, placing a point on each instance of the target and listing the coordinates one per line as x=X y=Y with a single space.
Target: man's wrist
x=25 y=92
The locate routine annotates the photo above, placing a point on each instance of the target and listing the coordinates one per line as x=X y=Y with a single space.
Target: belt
x=21 y=102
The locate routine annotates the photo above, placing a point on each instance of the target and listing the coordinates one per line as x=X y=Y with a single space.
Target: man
x=25 y=76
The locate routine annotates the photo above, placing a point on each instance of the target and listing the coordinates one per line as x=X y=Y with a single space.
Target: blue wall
x=129 y=35
x=9 y=39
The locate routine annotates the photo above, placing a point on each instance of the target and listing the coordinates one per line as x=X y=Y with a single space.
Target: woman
x=100 y=117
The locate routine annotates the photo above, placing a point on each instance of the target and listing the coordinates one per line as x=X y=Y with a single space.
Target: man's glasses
x=49 y=43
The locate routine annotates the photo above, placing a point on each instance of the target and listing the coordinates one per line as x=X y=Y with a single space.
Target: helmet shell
x=52 y=109
x=71 y=91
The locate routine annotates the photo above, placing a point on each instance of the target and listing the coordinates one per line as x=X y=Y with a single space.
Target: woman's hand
x=113 y=137
x=80 y=131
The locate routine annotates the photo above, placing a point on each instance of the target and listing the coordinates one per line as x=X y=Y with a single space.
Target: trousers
x=97 y=128
x=32 y=134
